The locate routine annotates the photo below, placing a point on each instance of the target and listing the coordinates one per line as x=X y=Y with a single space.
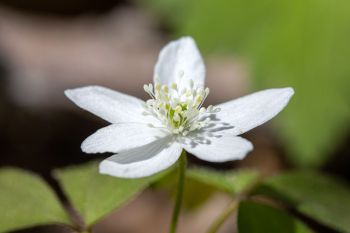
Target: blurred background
x=49 y=46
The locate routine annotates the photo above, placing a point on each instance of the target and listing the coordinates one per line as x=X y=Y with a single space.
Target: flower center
x=180 y=111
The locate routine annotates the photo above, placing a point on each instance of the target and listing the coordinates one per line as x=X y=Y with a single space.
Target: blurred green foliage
x=260 y=218
x=95 y=195
x=201 y=183
x=26 y=200
x=231 y=182
x=318 y=196
x=195 y=194
x=302 y=43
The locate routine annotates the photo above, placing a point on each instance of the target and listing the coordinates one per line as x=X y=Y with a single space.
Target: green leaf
x=232 y=182
x=26 y=201
x=95 y=195
x=302 y=43
x=196 y=194
x=259 y=218
x=318 y=196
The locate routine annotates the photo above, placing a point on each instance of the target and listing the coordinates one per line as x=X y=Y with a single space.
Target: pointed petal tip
x=68 y=93
x=72 y=90
x=183 y=39
x=88 y=149
x=85 y=148
x=71 y=93
x=187 y=38
x=289 y=90
x=250 y=148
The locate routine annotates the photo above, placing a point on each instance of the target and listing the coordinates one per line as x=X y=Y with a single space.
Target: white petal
x=218 y=148
x=110 y=105
x=116 y=138
x=179 y=62
x=248 y=112
x=143 y=161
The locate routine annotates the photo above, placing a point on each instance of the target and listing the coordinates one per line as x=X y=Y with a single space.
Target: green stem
x=223 y=217
x=180 y=190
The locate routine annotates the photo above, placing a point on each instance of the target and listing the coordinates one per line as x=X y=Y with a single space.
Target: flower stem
x=223 y=217
x=180 y=190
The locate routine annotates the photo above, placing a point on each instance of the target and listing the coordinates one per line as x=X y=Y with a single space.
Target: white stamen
x=191 y=83
x=179 y=111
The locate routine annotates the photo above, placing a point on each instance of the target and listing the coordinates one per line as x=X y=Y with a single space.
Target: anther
x=165 y=88
x=199 y=99
x=178 y=109
x=174 y=86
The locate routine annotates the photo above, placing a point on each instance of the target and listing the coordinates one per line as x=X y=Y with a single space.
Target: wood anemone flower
x=148 y=137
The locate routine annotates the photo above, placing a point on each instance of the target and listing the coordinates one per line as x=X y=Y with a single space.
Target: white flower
x=148 y=137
